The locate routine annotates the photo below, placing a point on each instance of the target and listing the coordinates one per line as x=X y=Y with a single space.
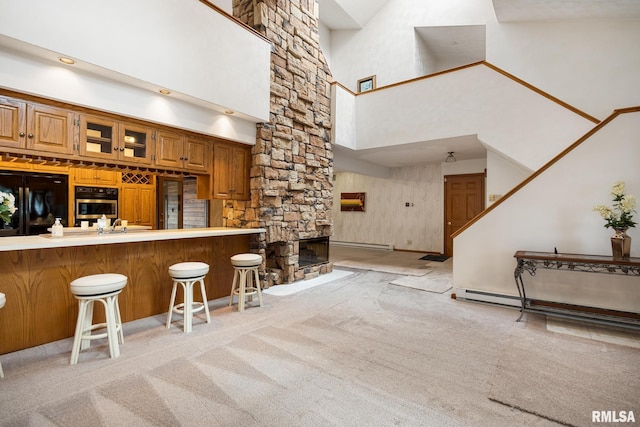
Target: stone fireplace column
x=292 y=161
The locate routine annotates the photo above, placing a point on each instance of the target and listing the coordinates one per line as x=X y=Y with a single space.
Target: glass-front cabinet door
x=102 y=138
x=98 y=137
x=134 y=143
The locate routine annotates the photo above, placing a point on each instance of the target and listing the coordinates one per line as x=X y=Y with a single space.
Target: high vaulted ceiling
x=462 y=45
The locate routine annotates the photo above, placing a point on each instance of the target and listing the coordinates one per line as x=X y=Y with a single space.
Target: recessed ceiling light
x=228 y=111
x=164 y=91
x=67 y=61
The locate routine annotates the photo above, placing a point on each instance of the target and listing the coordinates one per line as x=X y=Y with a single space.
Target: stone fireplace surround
x=292 y=161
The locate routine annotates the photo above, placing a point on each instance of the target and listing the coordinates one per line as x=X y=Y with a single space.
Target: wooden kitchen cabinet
x=107 y=139
x=98 y=137
x=183 y=152
x=198 y=154
x=36 y=127
x=231 y=171
x=13 y=115
x=99 y=177
x=49 y=129
x=138 y=204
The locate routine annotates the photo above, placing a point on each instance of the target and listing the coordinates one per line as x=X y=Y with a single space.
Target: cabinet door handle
x=21 y=134
x=115 y=148
x=121 y=148
x=30 y=136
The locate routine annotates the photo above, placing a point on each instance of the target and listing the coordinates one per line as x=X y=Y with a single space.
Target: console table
x=531 y=261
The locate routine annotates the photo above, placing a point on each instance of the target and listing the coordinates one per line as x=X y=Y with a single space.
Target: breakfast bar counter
x=37 y=270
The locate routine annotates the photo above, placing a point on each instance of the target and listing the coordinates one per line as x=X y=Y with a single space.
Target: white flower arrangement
x=621 y=214
x=7 y=206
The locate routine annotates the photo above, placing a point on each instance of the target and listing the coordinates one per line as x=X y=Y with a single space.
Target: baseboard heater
x=382 y=247
x=487 y=297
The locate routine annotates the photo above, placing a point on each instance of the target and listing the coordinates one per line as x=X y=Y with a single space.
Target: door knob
x=449 y=223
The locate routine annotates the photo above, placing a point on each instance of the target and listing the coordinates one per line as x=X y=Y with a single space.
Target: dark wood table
x=530 y=261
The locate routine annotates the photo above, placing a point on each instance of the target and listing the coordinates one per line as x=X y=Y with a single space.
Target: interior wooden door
x=464 y=199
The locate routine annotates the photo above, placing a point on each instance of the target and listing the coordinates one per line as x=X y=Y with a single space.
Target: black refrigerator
x=40 y=199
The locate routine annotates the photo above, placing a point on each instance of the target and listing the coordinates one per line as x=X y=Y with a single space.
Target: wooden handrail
x=475 y=64
x=235 y=20
x=550 y=163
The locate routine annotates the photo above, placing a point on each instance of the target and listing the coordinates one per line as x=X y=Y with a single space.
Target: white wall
x=386 y=219
x=325 y=42
x=593 y=65
x=503 y=175
x=555 y=210
x=386 y=45
x=506 y=116
x=185 y=47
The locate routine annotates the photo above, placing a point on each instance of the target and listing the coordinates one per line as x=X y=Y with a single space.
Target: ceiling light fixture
x=164 y=91
x=450 y=158
x=228 y=111
x=67 y=61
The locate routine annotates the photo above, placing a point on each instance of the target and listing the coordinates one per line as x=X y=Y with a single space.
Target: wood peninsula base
x=40 y=307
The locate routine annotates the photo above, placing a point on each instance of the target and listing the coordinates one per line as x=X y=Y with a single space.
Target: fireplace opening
x=313 y=251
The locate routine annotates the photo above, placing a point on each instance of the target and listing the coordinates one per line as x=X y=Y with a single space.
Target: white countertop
x=45 y=241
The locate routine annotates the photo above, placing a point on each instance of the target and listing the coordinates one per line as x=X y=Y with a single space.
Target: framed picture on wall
x=366 y=84
x=352 y=202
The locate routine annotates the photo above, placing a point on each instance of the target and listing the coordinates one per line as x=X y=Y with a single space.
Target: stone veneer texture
x=292 y=161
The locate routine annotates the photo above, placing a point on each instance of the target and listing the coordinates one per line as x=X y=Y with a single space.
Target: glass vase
x=621 y=244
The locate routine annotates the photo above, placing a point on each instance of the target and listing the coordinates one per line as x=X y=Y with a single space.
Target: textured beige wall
x=386 y=219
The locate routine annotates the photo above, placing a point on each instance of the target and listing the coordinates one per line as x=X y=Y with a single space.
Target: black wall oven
x=93 y=202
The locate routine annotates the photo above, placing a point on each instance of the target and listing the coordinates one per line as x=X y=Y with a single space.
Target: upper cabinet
x=183 y=152
x=13 y=115
x=35 y=127
x=231 y=171
x=104 y=138
x=49 y=129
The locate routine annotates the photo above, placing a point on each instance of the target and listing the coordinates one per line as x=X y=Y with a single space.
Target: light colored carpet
x=429 y=282
x=357 y=351
x=565 y=378
x=372 y=266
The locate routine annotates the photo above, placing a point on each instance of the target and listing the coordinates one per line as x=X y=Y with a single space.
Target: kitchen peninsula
x=37 y=271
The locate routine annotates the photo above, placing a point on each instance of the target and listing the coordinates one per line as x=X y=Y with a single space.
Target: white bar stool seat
x=187 y=274
x=246 y=279
x=3 y=299
x=104 y=288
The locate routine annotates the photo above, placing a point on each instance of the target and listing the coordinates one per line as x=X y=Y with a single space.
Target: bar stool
x=186 y=274
x=104 y=288
x=246 y=280
x=3 y=299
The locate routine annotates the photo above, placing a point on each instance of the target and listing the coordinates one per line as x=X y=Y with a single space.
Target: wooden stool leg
x=233 y=285
x=119 y=321
x=241 y=288
x=204 y=300
x=188 y=305
x=77 y=338
x=171 y=302
x=112 y=329
x=87 y=323
x=257 y=285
